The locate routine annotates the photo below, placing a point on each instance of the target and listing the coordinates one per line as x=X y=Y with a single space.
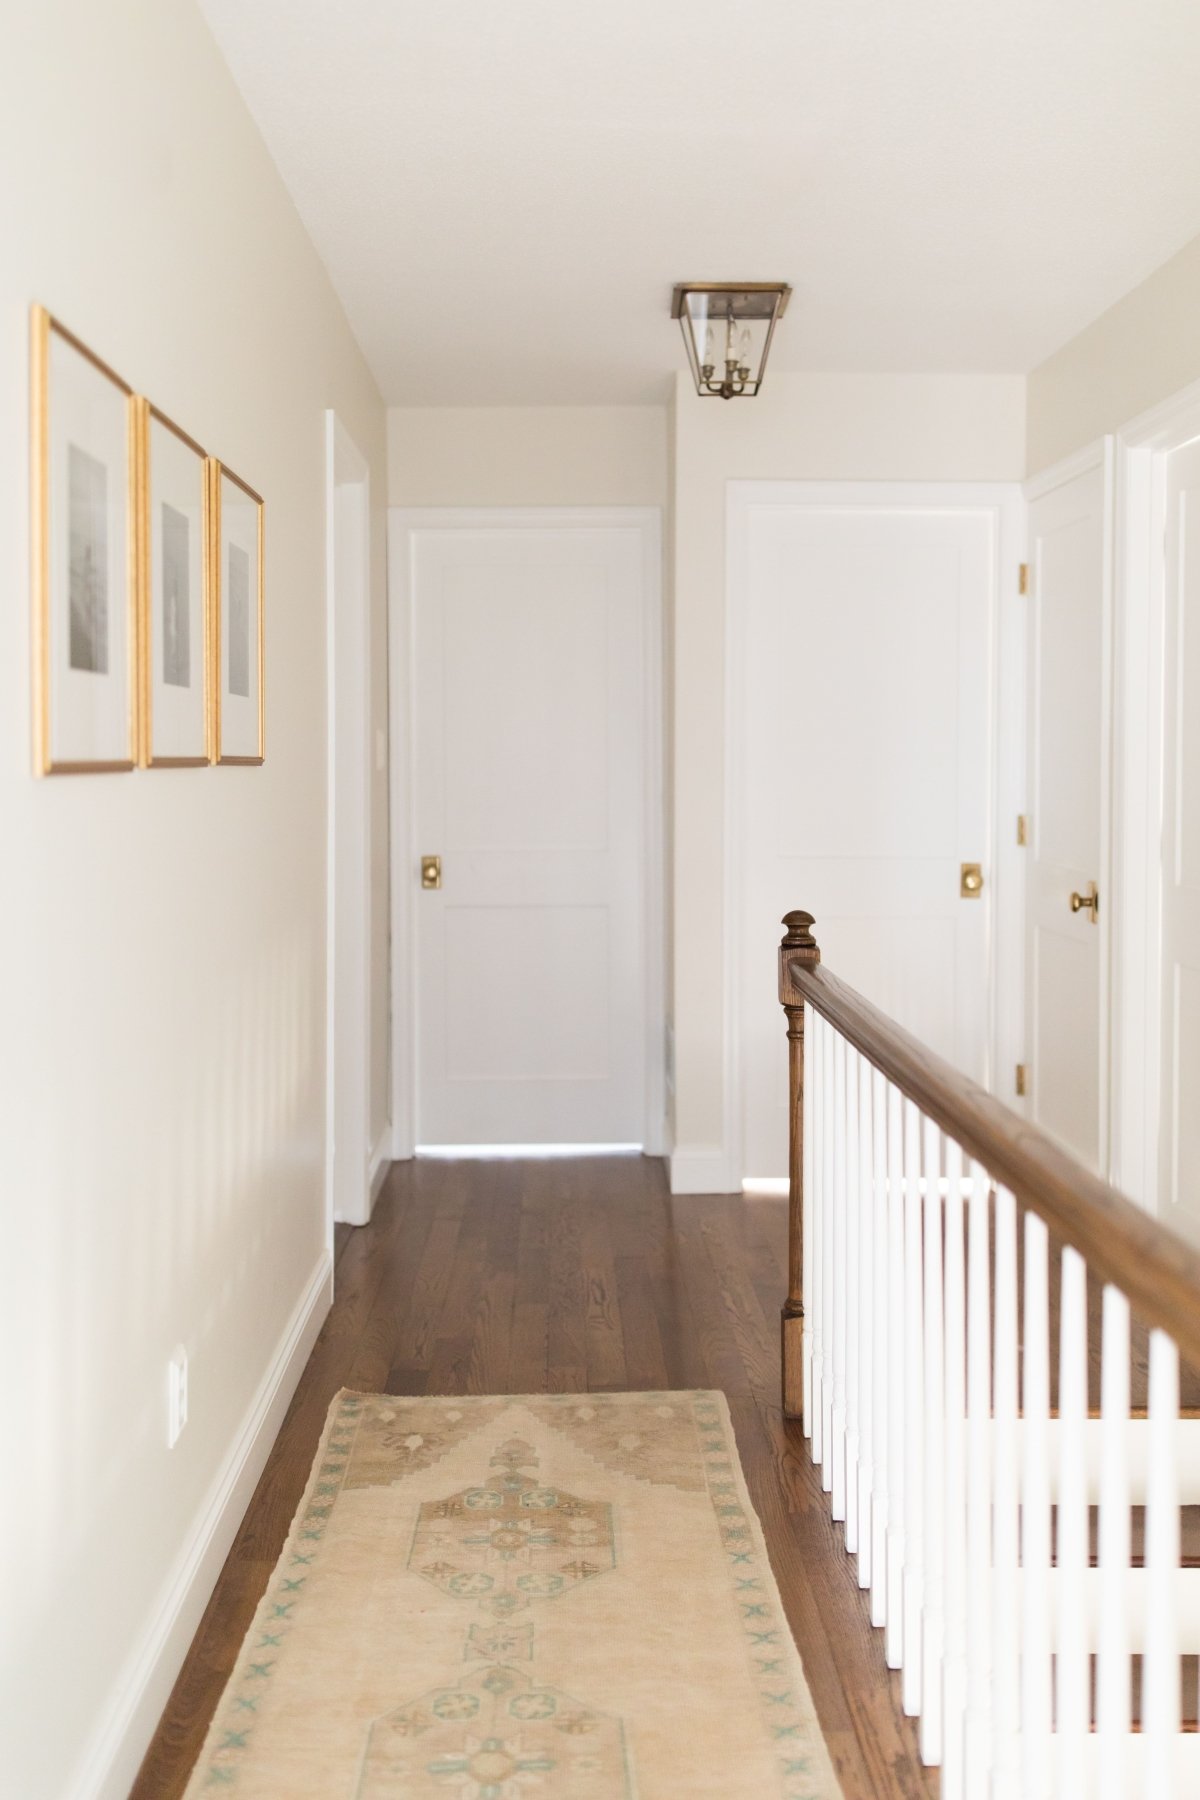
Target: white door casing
x=533 y=639
x=350 y=1187
x=1066 y=958
x=864 y=665
x=1179 y=1114
x=1145 y=828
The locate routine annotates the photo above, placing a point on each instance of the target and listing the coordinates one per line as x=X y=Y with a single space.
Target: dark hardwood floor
x=559 y=1275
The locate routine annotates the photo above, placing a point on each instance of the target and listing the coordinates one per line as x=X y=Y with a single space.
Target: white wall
x=527 y=456
x=1141 y=351
x=802 y=427
x=162 y=950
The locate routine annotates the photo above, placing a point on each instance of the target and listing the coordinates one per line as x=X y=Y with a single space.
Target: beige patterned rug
x=546 y=1597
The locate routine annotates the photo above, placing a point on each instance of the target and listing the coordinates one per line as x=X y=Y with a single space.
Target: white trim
x=1138 y=624
x=400 y=790
x=403 y=524
x=1006 y=651
x=1093 y=456
x=1080 y=462
x=381 y=1162
x=348 y=1186
x=702 y=1171
x=108 y=1766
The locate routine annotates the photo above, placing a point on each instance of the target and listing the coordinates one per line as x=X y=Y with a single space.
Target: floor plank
x=542 y=1276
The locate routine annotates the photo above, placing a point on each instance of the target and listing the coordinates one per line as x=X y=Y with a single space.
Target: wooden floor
x=526 y=1277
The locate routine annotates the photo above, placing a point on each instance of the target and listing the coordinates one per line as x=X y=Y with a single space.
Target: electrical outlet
x=177 y=1395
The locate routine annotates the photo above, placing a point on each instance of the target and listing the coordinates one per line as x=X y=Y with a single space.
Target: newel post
x=798 y=949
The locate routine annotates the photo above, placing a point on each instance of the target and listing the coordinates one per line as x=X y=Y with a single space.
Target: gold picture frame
x=237 y=551
x=185 y=653
x=84 y=590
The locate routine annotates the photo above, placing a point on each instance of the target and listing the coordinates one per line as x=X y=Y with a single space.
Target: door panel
x=530 y=785
x=1065 y=1027
x=866 y=708
x=1179 y=1147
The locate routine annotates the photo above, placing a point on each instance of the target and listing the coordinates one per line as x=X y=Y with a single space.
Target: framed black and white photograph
x=84 y=556
x=237 y=603
x=174 y=637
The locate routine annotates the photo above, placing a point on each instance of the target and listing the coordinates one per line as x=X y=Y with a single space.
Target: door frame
x=1097 y=455
x=353 y=1171
x=1002 y=503
x=1142 y=447
x=403 y=525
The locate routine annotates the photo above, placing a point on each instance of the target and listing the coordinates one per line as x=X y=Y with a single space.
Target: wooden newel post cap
x=799 y=933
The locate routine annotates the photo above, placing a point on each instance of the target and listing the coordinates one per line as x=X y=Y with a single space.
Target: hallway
x=528 y=1276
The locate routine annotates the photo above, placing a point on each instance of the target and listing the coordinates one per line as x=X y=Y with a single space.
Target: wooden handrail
x=1157 y=1271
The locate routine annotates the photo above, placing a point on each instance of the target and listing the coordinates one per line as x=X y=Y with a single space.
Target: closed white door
x=530 y=786
x=865 y=710
x=1179 y=1114
x=1065 y=1033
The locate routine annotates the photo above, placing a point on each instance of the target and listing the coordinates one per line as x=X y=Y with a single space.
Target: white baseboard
x=111 y=1761
x=702 y=1171
x=381 y=1162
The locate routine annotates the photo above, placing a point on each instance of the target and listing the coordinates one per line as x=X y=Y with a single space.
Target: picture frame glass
x=89 y=614
x=175 y=603
x=240 y=636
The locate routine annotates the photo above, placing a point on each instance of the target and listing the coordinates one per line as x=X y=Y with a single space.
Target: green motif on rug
x=510 y=1540
x=495 y=1735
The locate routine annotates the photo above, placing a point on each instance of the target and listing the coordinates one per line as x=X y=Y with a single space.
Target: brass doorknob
x=970 y=882
x=1088 y=903
x=431 y=871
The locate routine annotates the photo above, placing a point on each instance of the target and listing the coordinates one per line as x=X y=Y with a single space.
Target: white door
x=865 y=708
x=529 y=690
x=1065 y=1033
x=1179 y=1114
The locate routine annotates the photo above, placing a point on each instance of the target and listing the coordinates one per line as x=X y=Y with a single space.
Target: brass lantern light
x=728 y=327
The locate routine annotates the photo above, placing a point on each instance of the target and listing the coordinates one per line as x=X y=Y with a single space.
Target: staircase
x=996 y=1358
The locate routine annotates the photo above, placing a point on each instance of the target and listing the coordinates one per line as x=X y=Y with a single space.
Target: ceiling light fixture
x=728 y=327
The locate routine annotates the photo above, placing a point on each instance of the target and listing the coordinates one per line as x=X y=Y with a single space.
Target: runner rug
x=550 y=1597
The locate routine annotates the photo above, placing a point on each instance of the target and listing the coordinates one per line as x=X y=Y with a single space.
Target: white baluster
x=809 y=1214
x=1037 y=1668
x=814 y=1253
x=954 y=1678
x=1161 y=1710
x=853 y=1298
x=1006 y=1771
x=1072 y=1686
x=979 y=1487
x=934 y=1474
x=1113 y=1666
x=914 y=1395
x=879 y=1326
x=829 y=1208
x=867 y=1252
x=838 y=1505
x=893 y=1643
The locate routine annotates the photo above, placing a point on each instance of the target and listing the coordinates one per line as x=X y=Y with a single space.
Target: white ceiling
x=504 y=191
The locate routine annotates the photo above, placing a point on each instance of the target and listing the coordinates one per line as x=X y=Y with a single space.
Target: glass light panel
x=728 y=333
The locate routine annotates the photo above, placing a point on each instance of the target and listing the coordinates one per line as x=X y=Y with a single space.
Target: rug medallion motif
x=543 y=1597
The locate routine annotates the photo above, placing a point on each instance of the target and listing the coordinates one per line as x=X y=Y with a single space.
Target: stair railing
x=984 y=1342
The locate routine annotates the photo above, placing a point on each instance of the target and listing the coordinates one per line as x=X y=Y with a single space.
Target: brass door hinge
x=1022 y=1080
x=1022 y=578
x=1022 y=830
